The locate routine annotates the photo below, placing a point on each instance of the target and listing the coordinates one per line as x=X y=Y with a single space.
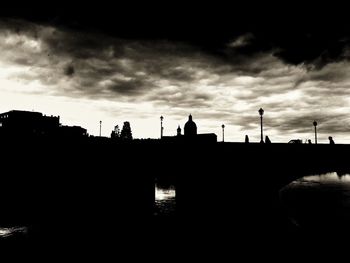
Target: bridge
x=238 y=184
x=88 y=181
x=227 y=193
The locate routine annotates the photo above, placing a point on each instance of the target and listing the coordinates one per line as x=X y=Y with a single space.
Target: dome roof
x=190 y=127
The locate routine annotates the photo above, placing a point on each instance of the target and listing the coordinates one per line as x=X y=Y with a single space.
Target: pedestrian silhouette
x=246 y=139
x=267 y=139
x=309 y=141
x=330 y=140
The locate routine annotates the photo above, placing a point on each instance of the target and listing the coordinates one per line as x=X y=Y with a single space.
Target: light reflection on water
x=165 y=202
x=328 y=178
x=322 y=200
x=10 y=231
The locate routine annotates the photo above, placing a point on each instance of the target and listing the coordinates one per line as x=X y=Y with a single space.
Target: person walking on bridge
x=330 y=140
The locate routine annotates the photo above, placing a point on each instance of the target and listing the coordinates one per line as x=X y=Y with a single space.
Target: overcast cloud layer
x=140 y=79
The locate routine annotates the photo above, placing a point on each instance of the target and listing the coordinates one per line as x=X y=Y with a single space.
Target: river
x=321 y=200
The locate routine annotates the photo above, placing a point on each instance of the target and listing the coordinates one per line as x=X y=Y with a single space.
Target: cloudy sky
x=219 y=66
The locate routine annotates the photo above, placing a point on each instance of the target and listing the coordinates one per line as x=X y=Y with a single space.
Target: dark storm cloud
x=101 y=65
x=126 y=87
x=334 y=73
x=313 y=46
x=226 y=80
x=183 y=102
x=293 y=47
x=327 y=123
x=310 y=35
x=180 y=97
x=69 y=70
x=299 y=123
x=23 y=61
x=134 y=70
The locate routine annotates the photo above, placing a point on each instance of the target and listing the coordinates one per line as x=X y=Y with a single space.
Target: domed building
x=190 y=134
x=190 y=128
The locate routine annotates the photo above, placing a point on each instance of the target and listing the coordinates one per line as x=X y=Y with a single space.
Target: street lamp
x=100 y=127
x=261 y=113
x=161 y=126
x=315 y=124
x=223 y=132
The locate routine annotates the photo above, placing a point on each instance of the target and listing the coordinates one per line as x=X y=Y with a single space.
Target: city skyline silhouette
x=115 y=76
x=36 y=123
x=183 y=129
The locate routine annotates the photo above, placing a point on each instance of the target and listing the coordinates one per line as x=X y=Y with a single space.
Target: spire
x=190 y=117
x=178 y=131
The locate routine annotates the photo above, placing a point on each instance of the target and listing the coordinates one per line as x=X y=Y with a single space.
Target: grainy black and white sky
x=135 y=62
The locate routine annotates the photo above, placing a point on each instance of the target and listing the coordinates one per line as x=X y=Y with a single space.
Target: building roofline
x=25 y=111
x=7 y=112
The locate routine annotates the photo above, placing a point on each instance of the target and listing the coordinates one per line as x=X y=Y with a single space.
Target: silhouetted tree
x=126 y=132
x=267 y=139
x=116 y=132
x=246 y=139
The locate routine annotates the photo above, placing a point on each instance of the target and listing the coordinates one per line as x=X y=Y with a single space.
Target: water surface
x=318 y=201
x=12 y=231
x=165 y=202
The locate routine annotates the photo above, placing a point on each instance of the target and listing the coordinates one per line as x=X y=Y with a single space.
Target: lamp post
x=315 y=124
x=261 y=113
x=161 y=126
x=100 y=127
x=223 y=132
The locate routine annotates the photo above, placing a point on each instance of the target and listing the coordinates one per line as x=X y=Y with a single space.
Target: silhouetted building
x=28 y=123
x=72 y=131
x=190 y=134
x=178 y=131
x=267 y=139
x=190 y=128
